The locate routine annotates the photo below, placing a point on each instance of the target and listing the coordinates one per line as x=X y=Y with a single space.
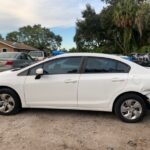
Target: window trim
x=79 y=70
x=86 y=59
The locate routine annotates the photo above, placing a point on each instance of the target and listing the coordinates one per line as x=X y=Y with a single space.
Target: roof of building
x=20 y=46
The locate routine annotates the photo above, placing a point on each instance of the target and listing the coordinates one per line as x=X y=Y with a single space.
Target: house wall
x=3 y=46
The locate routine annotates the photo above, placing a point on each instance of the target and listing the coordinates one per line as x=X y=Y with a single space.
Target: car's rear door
x=57 y=87
x=102 y=78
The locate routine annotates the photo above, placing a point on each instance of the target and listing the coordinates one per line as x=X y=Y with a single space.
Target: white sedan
x=84 y=81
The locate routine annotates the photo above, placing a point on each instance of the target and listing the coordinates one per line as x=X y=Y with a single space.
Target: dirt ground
x=36 y=129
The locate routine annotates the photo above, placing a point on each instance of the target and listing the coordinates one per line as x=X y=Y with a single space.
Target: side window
x=28 y=57
x=105 y=65
x=63 y=66
x=22 y=56
x=121 y=67
x=32 y=71
x=25 y=56
x=24 y=73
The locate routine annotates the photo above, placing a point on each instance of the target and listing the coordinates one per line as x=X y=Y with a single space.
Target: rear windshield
x=36 y=54
x=4 y=55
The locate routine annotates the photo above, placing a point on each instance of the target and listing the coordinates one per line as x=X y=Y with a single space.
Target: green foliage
x=107 y=49
x=144 y=49
x=86 y=33
x=72 y=50
x=36 y=36
x=121 y=27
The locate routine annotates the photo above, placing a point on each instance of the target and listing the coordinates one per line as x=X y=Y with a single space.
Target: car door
x=21 y=61
x=30 y=60
x=27 y=60
x=101 y=80
x=57 y=87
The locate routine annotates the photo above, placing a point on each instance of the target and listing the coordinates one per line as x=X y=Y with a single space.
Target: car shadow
x=76 y=113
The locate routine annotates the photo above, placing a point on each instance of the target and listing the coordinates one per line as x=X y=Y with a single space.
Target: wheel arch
x=7 y=87
x=130 y=92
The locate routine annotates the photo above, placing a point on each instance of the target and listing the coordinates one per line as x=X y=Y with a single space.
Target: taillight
x=9 y=62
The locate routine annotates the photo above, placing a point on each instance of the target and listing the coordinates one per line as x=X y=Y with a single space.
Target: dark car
x=11 y=60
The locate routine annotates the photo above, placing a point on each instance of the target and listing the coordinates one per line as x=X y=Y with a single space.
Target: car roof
x=87 y=54
x=111 y=56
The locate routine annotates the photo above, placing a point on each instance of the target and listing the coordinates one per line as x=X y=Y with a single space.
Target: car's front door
x=100 y=81
x=57 y=86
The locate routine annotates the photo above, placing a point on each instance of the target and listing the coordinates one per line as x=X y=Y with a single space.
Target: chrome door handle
x=70 y=81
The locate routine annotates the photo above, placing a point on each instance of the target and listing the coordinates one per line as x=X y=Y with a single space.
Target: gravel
x=37 y=129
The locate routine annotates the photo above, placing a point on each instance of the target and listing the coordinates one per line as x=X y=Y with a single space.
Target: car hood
x=8 y=74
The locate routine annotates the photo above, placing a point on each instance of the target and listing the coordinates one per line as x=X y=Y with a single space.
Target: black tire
x=122 y=99
x=17 y=102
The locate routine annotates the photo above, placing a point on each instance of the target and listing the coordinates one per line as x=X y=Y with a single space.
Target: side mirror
x=39 y=72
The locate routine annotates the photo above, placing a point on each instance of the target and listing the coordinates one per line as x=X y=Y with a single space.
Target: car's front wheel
x=9 y=102
x=130 y=108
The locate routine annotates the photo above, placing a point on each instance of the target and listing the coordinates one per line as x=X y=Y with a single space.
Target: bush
x=144 y=49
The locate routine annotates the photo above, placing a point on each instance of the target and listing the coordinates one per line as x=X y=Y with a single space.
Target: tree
x=36 y=36
x=124 y=18
x=121 y=27
x=88 y=30
x=72 y=50
x=131 y=17
x=94 y=32
x=142 y=22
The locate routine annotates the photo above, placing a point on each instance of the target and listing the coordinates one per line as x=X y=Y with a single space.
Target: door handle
x=70 y=81
x=118 y=80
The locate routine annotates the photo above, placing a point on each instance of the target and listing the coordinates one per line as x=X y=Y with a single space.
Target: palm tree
x=124 y=18
x=131 y=18
x=142 y=17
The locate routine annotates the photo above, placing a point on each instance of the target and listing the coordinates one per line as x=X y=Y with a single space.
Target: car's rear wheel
x=9 y=102
x=130 y=108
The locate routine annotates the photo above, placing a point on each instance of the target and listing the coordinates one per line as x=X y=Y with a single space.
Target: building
x=7 y=46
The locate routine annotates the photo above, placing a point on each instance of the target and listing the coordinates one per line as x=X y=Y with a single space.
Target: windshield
x=5 y=55
x=36 y=54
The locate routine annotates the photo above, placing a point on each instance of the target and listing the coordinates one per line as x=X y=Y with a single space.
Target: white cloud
x=49 y=13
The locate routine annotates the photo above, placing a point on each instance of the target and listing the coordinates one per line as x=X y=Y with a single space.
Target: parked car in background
x=11 y=60
x=57 y=52
x=38 y=55
x=127 y=58
x=84 y=81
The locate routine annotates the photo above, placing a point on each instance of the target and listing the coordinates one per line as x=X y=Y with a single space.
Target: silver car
x=11 y=60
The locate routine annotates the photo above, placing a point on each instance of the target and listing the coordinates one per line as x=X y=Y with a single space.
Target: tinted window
x=63 y=66
x=24 y=73
x=23 y=56
x=104 y=65
x=121 y=67
x=28 y=57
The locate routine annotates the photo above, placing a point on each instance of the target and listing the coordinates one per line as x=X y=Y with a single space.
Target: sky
x=59 y=16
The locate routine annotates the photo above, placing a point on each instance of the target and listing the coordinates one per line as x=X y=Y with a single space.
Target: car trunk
x=6 y=64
